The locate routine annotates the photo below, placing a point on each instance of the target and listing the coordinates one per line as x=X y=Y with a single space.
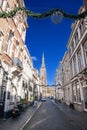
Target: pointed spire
x=43 y=62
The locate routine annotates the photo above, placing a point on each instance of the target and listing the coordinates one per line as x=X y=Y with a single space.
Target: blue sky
x=44 y=36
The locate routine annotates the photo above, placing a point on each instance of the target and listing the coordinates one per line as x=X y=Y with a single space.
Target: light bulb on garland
x=56 y=17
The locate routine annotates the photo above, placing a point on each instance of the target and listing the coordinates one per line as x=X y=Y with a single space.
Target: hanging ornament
x=56 y=17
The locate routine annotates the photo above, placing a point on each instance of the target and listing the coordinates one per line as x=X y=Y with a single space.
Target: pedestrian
x=35 y=103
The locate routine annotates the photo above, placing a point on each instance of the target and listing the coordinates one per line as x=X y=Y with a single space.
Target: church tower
x=43 y=71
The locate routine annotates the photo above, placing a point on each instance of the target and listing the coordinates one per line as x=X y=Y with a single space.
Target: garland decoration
x=29 y=13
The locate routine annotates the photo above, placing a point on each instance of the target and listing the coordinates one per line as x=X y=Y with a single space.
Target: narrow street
x=43 y=65
x=49 y=117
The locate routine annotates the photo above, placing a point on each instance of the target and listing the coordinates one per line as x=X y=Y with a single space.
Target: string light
x=54 y=13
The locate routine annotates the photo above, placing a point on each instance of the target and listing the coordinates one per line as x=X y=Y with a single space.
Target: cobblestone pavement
x=18 y=122
x=51 y=117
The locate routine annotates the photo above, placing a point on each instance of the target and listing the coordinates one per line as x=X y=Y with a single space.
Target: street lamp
x=56 y=17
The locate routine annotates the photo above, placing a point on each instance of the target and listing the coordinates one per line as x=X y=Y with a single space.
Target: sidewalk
x=19 y=122
x=72 y=114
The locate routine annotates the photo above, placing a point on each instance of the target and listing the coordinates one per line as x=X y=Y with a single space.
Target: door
x=2 y=101
x=85 y=96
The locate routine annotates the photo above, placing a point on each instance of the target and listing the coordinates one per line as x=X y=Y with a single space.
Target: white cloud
x=34 y=58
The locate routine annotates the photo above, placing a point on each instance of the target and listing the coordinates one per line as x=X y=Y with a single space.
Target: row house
x=37 y=90
x=12 y=39
x=27 y=73
x=50 y=91
x=31 y=82
x=65 y=78
x=58 y=82
x=77 y=49
x=19 y=81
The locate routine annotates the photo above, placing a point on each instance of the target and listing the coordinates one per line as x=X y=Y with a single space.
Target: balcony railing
x=17 y=62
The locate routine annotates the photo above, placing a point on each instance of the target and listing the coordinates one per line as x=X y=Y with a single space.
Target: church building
x=43 y=75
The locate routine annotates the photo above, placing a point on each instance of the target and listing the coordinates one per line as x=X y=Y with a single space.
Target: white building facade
x=77 y=48
x=58 y=83
x=65 y=79
x=27 y=74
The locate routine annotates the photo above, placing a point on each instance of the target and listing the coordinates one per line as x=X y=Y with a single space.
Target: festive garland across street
x=42 y=15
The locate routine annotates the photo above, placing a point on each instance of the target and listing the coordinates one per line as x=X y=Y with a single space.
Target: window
x=7 y=7
x=8 y=95
x=82 y=27
x=2 y=93
x=21 y=52
x=85 y=53
x=74 y=92
x=19 y=27
x=80 y=30
x=23 y=34
x=30 y=88
x=1 y=40
x=16 y=49
x=1 y=3
x=4 y=4
x=71 y=69
x=78 y=93
x=70 y=52
x=72 y=45
x=11 y=34
x=10 y=38
x=80 y=64
x=74 y=62
x=76 y=38
x=85 y=21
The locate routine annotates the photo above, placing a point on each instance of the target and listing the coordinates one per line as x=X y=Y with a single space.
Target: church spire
x=43 y=61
